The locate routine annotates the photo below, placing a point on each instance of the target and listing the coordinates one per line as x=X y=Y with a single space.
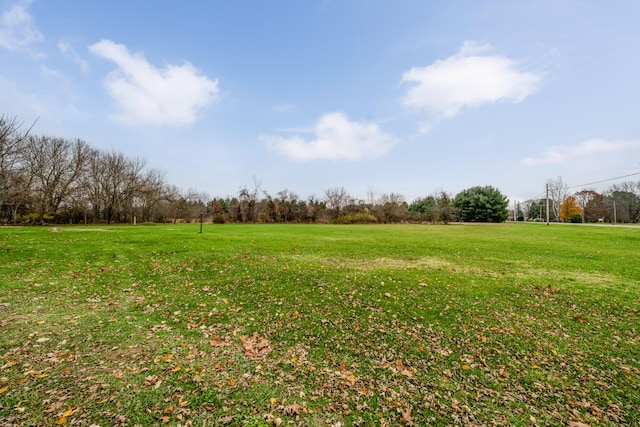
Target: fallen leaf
x=403 y=369
x=578 y=424
x=4 y=389
x=405 y=416
x=255 y=347
x=8 y=364
x=61 y=421
x=293 y=409
x=70 y=411
x=218 y=342
x=54 y=407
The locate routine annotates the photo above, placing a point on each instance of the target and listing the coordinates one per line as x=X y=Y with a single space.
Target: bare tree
x=558 y=192
x=314 y=208
x=287 y=204
x=14 y=180
x=626 y=196
x=596 y=208
x=336 y=200
x=151 y=192
x=390 y=208
x=55 y=165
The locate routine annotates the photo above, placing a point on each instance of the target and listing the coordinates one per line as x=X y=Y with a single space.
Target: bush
x=576 y=218
x=359 y=218
x=481 y=204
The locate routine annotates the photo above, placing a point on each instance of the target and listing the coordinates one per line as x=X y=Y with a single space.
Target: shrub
x=358 y=218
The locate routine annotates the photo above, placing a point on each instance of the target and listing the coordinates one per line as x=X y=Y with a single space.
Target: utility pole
x=615 y=219
x=547 y=204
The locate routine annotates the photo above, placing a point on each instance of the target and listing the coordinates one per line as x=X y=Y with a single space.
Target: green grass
x=315 y=325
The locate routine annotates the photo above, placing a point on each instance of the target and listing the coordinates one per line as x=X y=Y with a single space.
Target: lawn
x=319 y=325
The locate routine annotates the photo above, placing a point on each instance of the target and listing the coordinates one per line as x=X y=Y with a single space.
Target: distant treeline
x=45 y=179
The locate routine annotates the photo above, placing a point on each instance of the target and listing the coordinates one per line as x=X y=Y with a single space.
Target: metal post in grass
x=547 y=204
x=201 y=216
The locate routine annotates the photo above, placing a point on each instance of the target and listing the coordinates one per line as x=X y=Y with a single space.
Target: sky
x=408 y=97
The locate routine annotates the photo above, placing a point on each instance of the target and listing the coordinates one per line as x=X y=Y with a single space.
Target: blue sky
x=410 y=96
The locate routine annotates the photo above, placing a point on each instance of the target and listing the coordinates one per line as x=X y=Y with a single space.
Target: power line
x=604 y=180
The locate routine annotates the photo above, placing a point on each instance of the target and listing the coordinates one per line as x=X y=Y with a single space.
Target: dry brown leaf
x=293 y=409
x=403 y=369
x=578 y=424
x=405 y=416
x=218 y=342
x=255 y=347
x=54 y=407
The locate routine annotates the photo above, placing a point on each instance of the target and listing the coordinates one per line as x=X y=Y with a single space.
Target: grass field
x=320 y=325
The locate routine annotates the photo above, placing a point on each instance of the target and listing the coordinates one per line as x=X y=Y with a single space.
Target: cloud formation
x=283 y=108
x=18 y=30
x=469 y=78
x=564 y=153
x=335 y=138
x=149 y=95
x=67 y=50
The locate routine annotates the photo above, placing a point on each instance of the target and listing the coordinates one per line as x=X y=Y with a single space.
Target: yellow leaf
x=176 y=369
x=466 y=367
x=232 y=382
x=4 y=389
x=8 y=364
x=69 y=411
x=61 y=421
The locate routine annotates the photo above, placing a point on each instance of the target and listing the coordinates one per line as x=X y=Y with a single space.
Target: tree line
x=46 y=179
x=619 y=203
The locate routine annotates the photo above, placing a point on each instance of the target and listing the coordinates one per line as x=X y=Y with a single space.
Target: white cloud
x=148 y=95
x=17 y=28
x=466 y=79
x=565 y=153
x=67 y=50
x=283 y=108
x=335 y=138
